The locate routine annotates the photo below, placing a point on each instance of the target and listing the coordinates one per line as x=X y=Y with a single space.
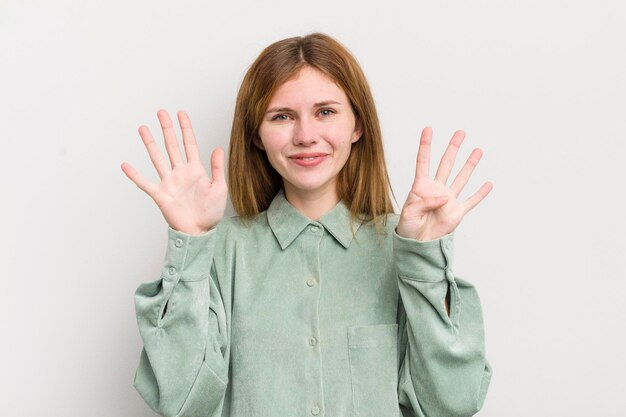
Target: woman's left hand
x=432 y=210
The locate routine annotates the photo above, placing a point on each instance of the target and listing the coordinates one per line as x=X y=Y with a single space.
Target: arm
x=181 y=317
x=183 y=369
x=443 y=370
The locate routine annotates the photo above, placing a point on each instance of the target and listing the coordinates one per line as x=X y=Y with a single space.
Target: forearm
x=180 y=334
x=444 y=371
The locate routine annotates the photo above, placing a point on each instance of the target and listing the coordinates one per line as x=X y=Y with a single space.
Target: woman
x=317 y=299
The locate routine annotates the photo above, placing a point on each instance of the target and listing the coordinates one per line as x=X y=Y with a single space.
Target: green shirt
x=286 y=316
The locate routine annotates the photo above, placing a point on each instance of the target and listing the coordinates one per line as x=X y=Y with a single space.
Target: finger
x=478 y=196
x=449 y=157
x=156 y=156
x=217 y=165
x=466 y=172
x=148 y=187
x=189 y=138
x=423 y=155
x=171 y=143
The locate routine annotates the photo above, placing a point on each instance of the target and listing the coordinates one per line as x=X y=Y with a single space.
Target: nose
x=304 y=133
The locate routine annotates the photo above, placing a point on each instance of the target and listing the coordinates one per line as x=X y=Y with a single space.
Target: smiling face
x=307 y=132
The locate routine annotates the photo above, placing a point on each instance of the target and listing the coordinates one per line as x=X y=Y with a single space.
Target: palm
x=185 y=198
x=190 y=201
x=432 y=209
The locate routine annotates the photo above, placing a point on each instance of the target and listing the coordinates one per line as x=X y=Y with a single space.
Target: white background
x=538 y=85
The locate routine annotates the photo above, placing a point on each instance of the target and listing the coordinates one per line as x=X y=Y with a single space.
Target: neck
x=313 y=204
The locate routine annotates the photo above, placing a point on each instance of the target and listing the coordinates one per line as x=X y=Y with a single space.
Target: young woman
x=317 y=299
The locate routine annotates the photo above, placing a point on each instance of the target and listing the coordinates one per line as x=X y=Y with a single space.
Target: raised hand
x=190 y=201
x=432 y=209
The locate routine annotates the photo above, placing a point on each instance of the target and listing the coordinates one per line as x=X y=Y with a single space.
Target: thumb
x=205 y=185
x=427 y=204
x=217 y=164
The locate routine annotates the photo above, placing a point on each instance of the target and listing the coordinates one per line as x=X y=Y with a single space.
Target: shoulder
x=379 y=234
x=385 y=225
x=236 y=227
x=392 y=221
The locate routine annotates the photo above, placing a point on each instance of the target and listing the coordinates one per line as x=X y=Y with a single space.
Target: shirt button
x=310 y=282
x=449 y=244
x=312 y=341
x=178 y=243
x=315 y=410
x=315 y=228
x=172 y=270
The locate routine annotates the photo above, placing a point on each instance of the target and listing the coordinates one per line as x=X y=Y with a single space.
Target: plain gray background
x=538 y=85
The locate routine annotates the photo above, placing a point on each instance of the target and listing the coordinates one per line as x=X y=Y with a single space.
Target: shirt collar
x=287 y=222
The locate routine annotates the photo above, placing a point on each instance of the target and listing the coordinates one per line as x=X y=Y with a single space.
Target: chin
x=308 y=186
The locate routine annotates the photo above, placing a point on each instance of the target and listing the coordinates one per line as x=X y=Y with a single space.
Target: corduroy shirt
x=286 y=316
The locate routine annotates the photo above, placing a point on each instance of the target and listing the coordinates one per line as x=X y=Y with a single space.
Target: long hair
x=363 y=183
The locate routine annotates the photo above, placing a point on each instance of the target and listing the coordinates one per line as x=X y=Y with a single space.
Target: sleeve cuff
x=188 y=257
x=429 y=260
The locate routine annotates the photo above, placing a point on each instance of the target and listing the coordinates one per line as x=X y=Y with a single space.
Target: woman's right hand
x=190 y=201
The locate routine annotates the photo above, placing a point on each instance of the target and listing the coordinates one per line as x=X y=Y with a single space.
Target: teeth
x=308 y=159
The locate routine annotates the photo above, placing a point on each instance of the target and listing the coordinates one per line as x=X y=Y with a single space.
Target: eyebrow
x=320 y=104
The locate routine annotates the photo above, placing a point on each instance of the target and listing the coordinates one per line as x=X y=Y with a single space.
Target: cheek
x=272 y=140
x=275 y=136
x=341 y=138
x=345 y=130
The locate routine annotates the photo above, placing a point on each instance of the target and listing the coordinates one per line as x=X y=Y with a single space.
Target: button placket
x=447 y=252
x=311 y=242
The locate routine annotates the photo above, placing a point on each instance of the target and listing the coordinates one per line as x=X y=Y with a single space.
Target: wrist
x=194 y=231
x=404 y=234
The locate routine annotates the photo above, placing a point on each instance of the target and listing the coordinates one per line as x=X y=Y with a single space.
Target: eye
x=280 y=117
x=326 y=112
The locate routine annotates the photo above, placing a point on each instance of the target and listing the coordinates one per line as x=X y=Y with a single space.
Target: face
x=307 y=132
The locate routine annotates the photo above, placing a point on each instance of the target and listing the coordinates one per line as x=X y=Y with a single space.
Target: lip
x=317 y=158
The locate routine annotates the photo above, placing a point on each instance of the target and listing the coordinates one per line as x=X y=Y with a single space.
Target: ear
x=257 y=141
x=358 y=131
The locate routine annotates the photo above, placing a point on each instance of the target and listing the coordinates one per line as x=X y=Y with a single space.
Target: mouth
x=308 y=159
x=307 y=156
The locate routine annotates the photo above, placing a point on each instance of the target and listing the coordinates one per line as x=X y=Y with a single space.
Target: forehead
x=309 y=85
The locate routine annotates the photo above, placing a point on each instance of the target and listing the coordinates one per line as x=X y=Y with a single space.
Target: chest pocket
x=374 y=370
